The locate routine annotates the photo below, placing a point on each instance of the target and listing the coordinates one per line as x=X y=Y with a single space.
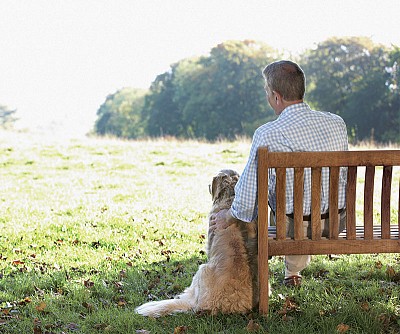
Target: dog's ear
x=216 y=185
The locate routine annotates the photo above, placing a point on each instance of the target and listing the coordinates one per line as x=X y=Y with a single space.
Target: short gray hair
x=286 y=78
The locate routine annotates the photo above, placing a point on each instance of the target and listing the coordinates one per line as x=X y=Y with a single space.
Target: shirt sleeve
x=244 y=206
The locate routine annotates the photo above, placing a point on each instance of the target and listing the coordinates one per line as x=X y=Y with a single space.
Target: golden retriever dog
x=227 y=283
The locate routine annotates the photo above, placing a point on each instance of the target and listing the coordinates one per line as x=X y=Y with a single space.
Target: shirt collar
x=296 y=107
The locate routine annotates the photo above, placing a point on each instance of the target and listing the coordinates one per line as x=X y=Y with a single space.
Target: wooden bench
x=373 y=234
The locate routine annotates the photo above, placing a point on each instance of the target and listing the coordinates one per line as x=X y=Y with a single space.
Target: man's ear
x=277 y=96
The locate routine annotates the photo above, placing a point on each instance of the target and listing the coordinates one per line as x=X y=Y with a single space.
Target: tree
x=120 y=114
x=7 y=117
x=220 y=95
x=227 y=96
x=160 y=112
x=392 y=134
x=348 y=76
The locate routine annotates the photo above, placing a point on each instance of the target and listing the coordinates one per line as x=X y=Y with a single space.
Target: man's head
x=284 y=84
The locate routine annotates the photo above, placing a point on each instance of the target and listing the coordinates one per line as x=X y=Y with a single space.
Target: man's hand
x=221 y=220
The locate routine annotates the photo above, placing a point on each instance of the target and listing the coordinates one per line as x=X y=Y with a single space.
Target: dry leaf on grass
x=252 y=326
x=180 y=329
x=365 y=306
x=342 y=328
x=41 y=307
x=390 y=271
x=88 y=283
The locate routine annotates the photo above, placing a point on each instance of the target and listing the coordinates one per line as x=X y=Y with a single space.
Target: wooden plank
x=369 y=201
x=359 y=232
x=385 y=201
x=334 y=159
x=263 y=232
x=298 y=195
x=333 y=202
x=339 y=246
x=280 y=214
x=351 y=202
x=316 y=203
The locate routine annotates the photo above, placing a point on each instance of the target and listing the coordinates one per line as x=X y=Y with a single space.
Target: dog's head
x=223 y=185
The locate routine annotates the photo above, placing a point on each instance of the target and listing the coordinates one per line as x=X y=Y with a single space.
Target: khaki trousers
x=294 y=264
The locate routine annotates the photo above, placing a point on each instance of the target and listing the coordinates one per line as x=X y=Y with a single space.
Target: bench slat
x=333 y=202
x=359 y=232
x=281 y=203
x=316 y=203
x=369 y=200
x=298 y=194
x=340 y=246
x=385 y=201
x=338 y=159
x=351 y=202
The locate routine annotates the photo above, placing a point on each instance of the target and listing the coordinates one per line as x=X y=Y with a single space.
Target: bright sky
x=60 y=59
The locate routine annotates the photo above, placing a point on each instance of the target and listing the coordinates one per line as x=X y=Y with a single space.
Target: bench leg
x=263 y=272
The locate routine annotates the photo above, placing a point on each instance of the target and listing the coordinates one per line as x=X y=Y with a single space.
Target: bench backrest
x=333 y=160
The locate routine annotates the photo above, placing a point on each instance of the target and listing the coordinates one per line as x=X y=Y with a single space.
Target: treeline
x=221 y=95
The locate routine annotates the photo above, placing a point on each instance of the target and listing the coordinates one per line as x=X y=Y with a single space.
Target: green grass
x=92 y=228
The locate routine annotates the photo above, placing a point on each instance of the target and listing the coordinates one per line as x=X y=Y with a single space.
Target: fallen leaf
x=72 y=326
x=252 y=326
x=100 y=326
x=390 y=271
x=342 y=328
x=39 y=291
x=180 y=329
x=378 y=265
x=88 y=306
x=384 y=319
x=119 y=285
x=25 y=301
x=88 y=283
x=142 y=331
x=41 y=307
x=37 y=326
x=17 y=262
x=365 y=306
x=122 y=303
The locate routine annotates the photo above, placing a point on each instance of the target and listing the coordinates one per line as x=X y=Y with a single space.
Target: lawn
x=92 y=228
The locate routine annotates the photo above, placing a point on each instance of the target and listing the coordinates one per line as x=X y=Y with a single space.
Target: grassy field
x=92 y=228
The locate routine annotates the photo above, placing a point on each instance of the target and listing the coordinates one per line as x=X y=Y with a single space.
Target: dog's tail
x=163 y=307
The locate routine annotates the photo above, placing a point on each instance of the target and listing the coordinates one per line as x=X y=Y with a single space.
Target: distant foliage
x=359 y=81
x=218 y=96
x=7 y=117
x=221 y=95
x=120 y=114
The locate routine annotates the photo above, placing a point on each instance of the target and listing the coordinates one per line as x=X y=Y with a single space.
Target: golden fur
x=227 y=283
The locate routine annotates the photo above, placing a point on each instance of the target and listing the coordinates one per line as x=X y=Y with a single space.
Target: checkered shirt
x=297 y=129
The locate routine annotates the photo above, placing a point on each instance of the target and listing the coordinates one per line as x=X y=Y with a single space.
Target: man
x=297 y=128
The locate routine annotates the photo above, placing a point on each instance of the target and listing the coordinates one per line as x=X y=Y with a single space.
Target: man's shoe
x=292 y=281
